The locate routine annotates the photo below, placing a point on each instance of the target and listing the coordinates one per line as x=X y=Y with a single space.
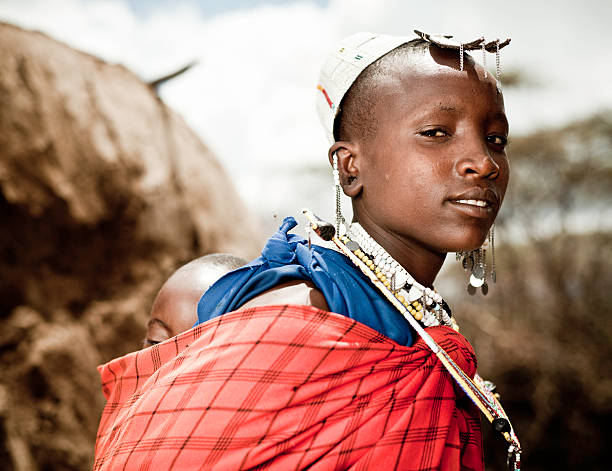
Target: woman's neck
x=421 y=262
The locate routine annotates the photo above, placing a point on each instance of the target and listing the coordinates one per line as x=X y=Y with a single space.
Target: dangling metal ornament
x=478 y=272
x=400 y=278
x=484 y=60
x=340 y=223
x=475 y=263
x=497 y=62
x=475 y=281
x=492 y=244
x=446 y=41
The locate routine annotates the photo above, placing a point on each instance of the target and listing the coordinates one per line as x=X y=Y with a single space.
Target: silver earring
x=492 y=245
x=339 y=218
x=475 y=262
x=461 y=57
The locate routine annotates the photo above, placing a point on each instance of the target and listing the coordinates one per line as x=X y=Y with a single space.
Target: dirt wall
x=104 y=191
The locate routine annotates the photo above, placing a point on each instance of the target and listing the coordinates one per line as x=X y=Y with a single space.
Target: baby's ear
x=347 y=154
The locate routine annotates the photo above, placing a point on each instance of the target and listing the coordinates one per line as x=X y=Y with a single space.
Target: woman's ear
x=348 y=166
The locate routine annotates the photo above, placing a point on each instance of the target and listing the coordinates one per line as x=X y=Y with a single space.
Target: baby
x=174 y=308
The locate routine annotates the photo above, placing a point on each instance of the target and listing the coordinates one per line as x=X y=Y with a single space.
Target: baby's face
x=436 y=171
x=174 y=312
x=175 y=308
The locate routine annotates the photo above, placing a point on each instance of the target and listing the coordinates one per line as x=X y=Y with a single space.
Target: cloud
x=252 y=96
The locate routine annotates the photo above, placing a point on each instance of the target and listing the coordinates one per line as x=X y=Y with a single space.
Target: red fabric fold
x=288 y=388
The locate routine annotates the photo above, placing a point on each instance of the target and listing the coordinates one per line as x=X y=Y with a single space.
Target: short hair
x=355 y=117
x=224 y=260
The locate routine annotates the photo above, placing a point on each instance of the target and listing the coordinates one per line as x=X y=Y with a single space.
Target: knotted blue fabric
x=286 y=257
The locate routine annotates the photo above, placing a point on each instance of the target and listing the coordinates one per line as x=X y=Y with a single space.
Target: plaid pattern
x=288 y=388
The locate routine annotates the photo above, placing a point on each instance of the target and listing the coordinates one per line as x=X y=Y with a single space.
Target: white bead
x=414 y=293
x=400 y=277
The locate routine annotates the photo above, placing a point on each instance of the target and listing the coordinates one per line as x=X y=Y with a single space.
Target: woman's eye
x=434 y=133
x=150 y=343
x=497 y=140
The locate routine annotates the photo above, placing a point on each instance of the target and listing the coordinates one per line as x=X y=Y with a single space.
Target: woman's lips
x=476 y=208
x=480 y=203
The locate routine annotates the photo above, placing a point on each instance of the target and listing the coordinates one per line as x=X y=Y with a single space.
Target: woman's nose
x=476 y=160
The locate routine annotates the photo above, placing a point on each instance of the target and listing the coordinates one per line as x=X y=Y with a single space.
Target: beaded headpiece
x=358 y=51
x=342 y=68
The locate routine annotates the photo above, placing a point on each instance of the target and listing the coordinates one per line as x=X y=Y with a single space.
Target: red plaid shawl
x=288 y=388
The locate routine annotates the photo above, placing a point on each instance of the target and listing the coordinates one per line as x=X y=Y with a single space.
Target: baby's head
x=174 y=308
x=419 y=139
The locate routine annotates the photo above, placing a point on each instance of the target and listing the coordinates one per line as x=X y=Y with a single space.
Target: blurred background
x=114 y=171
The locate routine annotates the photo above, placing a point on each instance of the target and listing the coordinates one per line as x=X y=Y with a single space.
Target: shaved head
x=174 y=309
x=356 y=119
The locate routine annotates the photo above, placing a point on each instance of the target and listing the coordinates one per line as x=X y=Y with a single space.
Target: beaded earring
x=340 y=222
x=475 y=262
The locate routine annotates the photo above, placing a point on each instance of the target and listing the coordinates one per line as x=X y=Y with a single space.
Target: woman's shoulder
x=300 y=292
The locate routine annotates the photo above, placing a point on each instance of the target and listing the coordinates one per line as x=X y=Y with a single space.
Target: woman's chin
x=468 y=244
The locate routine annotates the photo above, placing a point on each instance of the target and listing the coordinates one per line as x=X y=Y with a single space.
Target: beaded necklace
x=424 y=304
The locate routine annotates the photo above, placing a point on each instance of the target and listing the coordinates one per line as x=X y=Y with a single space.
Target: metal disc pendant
x=484 y=288
x=471 y=290
x=400 y=278
x=478 y=272
x=476 y=282
x=414 y=293
x=352 y=245
x=469 y=263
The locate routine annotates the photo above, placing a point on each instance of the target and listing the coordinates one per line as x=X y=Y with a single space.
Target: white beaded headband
x=356 y=52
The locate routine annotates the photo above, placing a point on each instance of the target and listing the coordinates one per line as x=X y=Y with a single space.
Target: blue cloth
x=286 y=257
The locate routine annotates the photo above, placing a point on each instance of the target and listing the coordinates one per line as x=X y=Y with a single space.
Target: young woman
x=299 y=361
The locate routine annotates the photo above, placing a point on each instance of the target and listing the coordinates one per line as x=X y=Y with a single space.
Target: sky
x=251 y=96
x=207 y=7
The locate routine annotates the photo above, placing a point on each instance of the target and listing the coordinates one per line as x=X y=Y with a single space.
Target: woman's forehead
x=445 y=86
x=437 y=98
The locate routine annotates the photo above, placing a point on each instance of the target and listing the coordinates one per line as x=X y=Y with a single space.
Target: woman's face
x=436 y=170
